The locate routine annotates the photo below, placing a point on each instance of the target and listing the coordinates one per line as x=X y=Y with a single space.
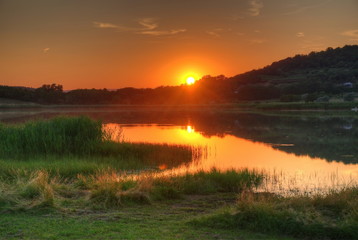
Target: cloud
x=255 y=7
x=299 y=9
x=352 y=34
x=147 y=26
x=148 y=23
x=104 y=25
x=217 y=32
x=114 y=26
x=162 y=33
x=300 y=34
x=45 y=50
x=213 y=33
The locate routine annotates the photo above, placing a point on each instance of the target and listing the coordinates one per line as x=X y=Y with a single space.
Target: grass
x=161 y=220
x=330 y=216
x=114 y=205
x=110 y=189
x=58 y=136
x=210 y=182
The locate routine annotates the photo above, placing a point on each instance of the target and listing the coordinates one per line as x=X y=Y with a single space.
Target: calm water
x=299 y=153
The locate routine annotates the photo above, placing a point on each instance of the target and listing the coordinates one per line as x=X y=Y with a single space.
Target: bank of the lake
x=269 y=105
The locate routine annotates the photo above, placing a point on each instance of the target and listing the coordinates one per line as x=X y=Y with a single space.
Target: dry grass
x=110 y=189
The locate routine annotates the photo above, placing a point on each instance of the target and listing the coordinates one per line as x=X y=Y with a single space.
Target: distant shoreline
x=242 y=106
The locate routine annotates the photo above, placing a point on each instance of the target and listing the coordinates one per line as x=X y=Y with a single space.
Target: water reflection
x=323 y=136
x=303 y=147
x=288 y=171
x=190 y=129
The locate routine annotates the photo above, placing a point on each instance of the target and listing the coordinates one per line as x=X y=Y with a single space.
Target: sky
x=149 y=43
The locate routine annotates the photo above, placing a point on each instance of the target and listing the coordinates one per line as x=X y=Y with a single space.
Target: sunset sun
x=190 y=80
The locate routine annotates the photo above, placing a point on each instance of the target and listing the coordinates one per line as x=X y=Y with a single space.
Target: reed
x=73 y=145
x=57 y=136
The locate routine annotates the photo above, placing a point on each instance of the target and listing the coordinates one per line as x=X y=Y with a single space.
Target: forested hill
x=318 y=76
x=345 y=57
x=333 y=71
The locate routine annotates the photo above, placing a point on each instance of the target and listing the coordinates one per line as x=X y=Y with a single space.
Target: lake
x=310 y=152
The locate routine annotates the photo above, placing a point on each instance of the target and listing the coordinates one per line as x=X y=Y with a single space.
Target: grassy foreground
x=111 y=205
x=161 y=220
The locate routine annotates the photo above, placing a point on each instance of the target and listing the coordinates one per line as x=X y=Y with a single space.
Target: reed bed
x=57 y=136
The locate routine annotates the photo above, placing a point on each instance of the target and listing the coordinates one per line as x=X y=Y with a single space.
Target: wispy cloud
x=148 y=23
x=255 y=7
x=104 y=25
x=213 y=33
x=298 y=9
x=45 y=50
x=352 y=34
x=300 y=34
x=119 y=28
x=147 y=26
x=163 y=33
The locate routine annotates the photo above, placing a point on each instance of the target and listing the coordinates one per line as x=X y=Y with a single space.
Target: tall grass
x=321 y=216
x=60 y=136
x=28 y=191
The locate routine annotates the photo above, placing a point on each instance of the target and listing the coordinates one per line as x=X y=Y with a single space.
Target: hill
x=318 y=76
x=330 y=72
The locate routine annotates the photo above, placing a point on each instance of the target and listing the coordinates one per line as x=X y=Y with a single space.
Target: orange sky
x=141 y=43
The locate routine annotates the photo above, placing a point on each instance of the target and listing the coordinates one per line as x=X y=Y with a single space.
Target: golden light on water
x=229 y=152
x=190 y=129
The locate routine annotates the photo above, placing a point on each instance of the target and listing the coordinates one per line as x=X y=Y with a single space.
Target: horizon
x=178 y=85
x=118 y=44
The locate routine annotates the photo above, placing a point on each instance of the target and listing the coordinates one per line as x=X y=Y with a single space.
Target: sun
x=190 y=80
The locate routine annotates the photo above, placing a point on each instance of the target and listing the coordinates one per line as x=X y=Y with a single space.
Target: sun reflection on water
x=190 y=129
x=286 y=172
